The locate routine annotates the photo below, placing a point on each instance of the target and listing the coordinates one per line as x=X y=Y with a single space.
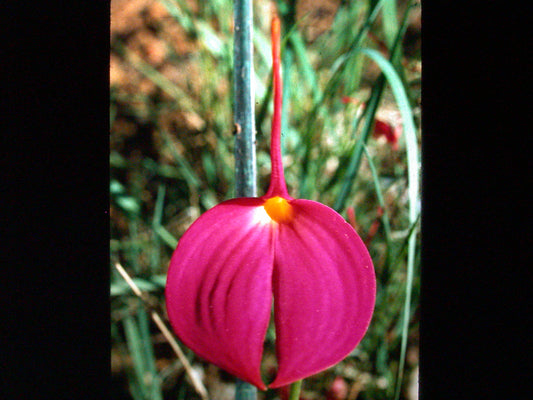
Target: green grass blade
x=181 y=17
x=160 y=280
x=120 y=288
x=112 y=114
x=135 y=390
x=156 y=283
x=263 y=108
x=306 y=68
x=134 y=387
x=134 y=343
x=167 y=237
x=210 y=39
x=381 y=200
x=184 y=101
x=318 y=109
x=408 y=125
x=354 y=47
x=151 y=376
x=164 y=170
x=207 y=35
x=135 y=250
x=355 y=159
x=156 y=221
x=210 y=169
x=369 y=114
x=286 y=64
x=390 y=22
x=413 y=189
x=185 y=168
x=403 y=248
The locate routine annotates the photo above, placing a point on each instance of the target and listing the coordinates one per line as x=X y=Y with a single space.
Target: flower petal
x=324 y=291
x=219 y=286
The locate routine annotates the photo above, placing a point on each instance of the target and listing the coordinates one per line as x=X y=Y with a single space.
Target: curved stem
x=294 y=393
x=278 y=186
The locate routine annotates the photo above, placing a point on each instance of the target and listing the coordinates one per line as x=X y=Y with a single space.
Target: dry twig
x=198 y=385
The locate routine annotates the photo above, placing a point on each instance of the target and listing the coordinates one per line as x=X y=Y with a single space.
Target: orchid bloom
x=391 y=134
x=381 y=128
x=244 y=254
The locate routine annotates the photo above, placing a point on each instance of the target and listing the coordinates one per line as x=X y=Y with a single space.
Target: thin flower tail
x=278 y=186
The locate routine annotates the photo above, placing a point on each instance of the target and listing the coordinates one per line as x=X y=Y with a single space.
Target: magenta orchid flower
x=381 y=128
x=391 y=134
x=244 y=254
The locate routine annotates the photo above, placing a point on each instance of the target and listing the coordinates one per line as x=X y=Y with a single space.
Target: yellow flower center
x=279 y=209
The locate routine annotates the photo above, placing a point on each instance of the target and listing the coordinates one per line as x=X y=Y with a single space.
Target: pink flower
x=247 y=253
x=391 y=134
x=374 y=227
x=338 y=389
x=352 y=100
x=351 y=217
x=381 y=128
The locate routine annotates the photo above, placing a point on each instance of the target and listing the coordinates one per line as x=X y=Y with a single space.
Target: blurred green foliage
x=172 y=159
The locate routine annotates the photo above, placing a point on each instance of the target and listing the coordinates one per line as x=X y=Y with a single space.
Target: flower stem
x=244 y=116
x=294 y=393
x=245 y=391
x=245 y=169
